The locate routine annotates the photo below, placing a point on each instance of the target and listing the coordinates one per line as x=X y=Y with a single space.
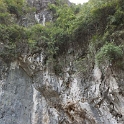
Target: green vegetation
x=96 y=27
x=110 y=52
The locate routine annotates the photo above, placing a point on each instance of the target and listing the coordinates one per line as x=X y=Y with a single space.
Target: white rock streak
x=35 y=103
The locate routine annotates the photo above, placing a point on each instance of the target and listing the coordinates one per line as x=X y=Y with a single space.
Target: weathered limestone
x=38 y=96
x=16 y=97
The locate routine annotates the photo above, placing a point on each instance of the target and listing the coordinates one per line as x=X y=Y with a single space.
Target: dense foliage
x=98 y=24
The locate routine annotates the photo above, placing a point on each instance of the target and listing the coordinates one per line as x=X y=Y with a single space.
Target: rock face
x=42 y=13
x=32 y=92
x=16 y=99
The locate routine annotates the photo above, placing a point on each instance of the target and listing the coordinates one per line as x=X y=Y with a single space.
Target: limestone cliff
x=33 y=91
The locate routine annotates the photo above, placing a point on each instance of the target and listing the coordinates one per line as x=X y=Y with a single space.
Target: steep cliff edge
x=64 y=83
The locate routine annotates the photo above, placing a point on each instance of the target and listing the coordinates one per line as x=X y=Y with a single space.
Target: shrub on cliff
x=110 y=52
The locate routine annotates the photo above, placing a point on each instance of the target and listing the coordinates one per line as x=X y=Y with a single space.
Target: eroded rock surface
x=31 y=93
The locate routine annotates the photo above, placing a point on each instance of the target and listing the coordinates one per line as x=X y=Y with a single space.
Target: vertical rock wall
x=15 y=96
x=31 y=93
